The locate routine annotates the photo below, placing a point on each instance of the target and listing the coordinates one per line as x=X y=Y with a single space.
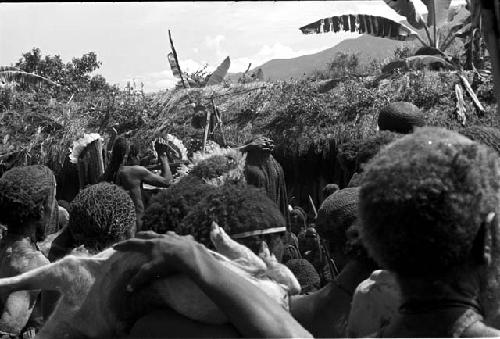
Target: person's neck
x=459 y=289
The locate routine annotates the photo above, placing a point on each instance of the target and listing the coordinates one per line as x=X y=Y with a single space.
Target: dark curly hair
x=489 y=136
x=169 y=207
x=336 y=216
x=305 y=273
x=423 y=199
x=346 y=155
x=329 y=189
x=23 y=194
x=355 y=180
x=213 y=167
x=352 y=155
x=101 y=215
x=236 y=208
x=370 y=146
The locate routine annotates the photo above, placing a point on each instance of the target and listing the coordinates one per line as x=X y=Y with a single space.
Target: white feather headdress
x=80 y=144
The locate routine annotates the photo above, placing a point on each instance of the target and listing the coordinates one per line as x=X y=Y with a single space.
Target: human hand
x=168 y=254
x=165 y=150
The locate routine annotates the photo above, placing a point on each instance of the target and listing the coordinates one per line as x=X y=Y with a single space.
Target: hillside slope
x=367 y=46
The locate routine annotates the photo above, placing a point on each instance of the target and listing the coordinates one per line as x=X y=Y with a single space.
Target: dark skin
x=477 y=278
x=325 y=312
x=240 y=299
x=131 y=178
x=19 y=254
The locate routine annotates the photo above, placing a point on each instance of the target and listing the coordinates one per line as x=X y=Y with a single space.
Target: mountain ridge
x=367 y=47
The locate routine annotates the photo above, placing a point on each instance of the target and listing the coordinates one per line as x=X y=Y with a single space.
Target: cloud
x=216 y=43
x=190 y=65
x=165 y=79
x=152 y=81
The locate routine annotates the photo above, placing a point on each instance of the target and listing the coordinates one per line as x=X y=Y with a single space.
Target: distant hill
x=367 y=46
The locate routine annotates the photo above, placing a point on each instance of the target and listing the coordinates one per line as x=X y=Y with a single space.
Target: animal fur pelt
x=94 y=302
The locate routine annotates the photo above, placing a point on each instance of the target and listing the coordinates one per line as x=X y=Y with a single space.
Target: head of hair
x=24 y=194
x=355 y=180
x=213 y=167
x=235 y=208
x=101 y=215
x=119 y=154
x=370 y=146
x=309 y=240
x=352 y=155
x=329 y=190
x=489 y=136
x=298 y=219
x=133 y=155
x=305 y=273
x=423 y=200
x=336 y=214
x=121 y=148
x=337 y=223
x=169 y=207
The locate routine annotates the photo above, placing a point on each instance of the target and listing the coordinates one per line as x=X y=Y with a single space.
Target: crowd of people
x=411 y=251
x=410 y=247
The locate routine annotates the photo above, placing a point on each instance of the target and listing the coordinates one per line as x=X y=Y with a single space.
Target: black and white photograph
x=250 y=169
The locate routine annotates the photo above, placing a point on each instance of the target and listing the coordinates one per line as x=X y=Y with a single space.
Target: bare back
x=131 y=179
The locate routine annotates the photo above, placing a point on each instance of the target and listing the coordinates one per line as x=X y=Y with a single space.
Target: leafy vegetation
x=308 y=125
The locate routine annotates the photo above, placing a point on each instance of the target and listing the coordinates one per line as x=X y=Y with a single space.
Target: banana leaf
x=220 y=73
x=363 y=24
x=22 y=77
x=407 y=9
x=437 y=12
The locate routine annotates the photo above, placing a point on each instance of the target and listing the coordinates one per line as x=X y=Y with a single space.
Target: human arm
x=239 y=299
x=19 y=305
x=165 y=178
x=325 y=312
x=151 y=178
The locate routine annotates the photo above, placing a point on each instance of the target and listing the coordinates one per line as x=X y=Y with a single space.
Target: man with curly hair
x=169 y=207
x=123 y=172
x=100 y=216
x=325 y=312
x=429 y=204
x=27 y=202
x=246 y=213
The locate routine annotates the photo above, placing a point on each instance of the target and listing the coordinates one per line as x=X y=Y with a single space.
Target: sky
x=131 y=39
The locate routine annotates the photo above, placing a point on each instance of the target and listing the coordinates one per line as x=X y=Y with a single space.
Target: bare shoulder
x=20 y=256
x=132 y=173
